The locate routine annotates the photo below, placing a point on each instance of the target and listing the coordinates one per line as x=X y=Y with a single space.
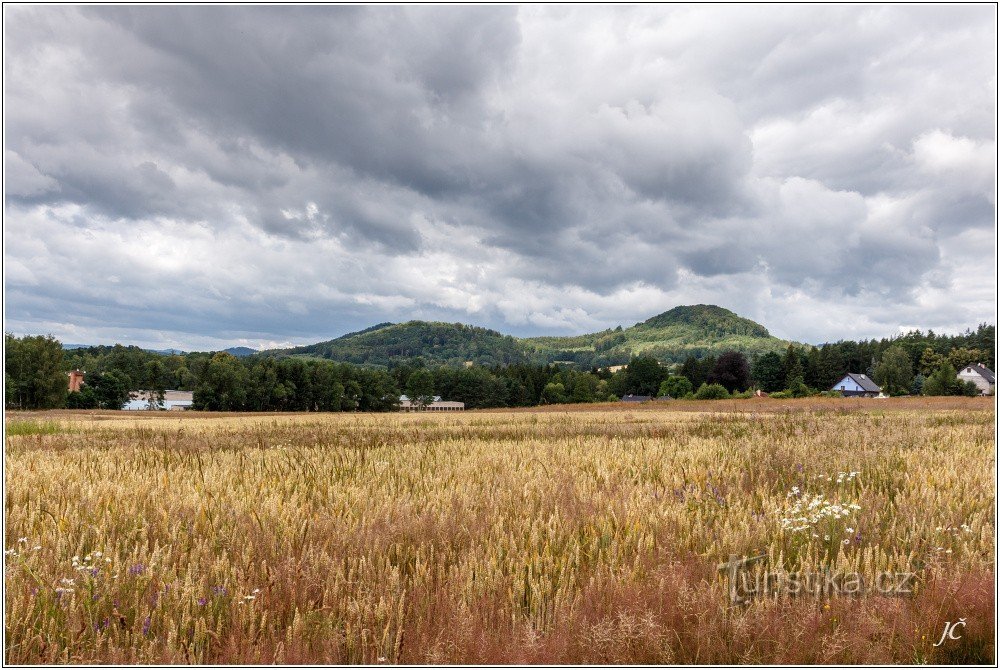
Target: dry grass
x=504 y=537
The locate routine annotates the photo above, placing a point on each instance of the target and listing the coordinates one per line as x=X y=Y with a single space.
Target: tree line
x=36 y=368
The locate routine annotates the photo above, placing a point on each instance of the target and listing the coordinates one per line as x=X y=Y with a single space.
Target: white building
x=857 y=385
x=980 y=375
x=172 y=400
x=406 y=405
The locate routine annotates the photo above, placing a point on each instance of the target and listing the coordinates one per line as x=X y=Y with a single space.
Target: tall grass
x=30 y=427
x=584 y=537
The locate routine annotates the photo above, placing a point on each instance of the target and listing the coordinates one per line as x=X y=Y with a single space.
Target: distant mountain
x=240 y=352
x=672 y=336
x=101 y=348
x=700 y=330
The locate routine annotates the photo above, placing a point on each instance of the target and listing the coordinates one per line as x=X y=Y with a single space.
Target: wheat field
x=585 y=536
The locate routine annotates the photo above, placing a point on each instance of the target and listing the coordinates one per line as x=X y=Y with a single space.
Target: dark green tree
x=223 y=385
x=111 y=389
x=894 y=373
x=769 y=373
x=731 y=371
x=675 y=386
x=643 y=376
x=34 y=375
x=792 y=365
x=420 y=388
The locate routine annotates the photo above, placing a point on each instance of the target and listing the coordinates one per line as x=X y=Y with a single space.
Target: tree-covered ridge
x=688 y=330
x=434 y=342
x=704 y=319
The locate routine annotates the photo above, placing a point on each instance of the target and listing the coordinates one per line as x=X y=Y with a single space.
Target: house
x=857 y=385
x=980 y=375
x=438 y=405
x=172 y=400
x=635 y=398
x=75 y=381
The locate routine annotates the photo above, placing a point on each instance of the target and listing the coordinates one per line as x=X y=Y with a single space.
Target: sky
x=203 y=177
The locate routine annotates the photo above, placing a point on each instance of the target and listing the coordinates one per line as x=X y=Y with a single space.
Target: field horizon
x=528 y=536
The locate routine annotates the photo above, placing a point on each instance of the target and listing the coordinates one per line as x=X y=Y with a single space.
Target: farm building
x=172 y=400
x=406 y=405
x=857 y=385
x=980 y=375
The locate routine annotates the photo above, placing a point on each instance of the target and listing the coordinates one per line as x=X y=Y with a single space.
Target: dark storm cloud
x=297 y=170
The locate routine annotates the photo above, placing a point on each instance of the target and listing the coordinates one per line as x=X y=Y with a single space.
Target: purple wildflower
x=202 y=601
x=137 y=569
x=145 y=626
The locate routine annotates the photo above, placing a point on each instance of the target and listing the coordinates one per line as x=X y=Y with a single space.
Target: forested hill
x=700 y=330
x=672 y=336
x=435 y=342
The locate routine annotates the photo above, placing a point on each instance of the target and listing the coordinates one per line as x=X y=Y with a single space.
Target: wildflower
x=137 y=569
x=37 y=547
x=202 y=602
x=22 y=540
x=145 y=626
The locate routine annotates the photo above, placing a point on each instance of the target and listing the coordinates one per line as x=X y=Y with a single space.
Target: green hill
x=435 y=342
x=700 y=330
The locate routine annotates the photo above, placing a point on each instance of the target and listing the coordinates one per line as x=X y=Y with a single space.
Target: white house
x=980 y=375
x=857 y=385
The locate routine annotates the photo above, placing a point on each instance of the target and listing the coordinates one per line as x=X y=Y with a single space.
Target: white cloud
x=178 y=175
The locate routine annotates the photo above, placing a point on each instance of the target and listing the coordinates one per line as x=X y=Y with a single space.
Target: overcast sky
x=198 y=177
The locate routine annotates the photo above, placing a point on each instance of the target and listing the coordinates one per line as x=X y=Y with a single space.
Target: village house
x=75 y=380
x=980 y=375
x=858 y=386
x=438 y=405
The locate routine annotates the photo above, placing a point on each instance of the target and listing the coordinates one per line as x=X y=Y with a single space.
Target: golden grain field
x=585 y=536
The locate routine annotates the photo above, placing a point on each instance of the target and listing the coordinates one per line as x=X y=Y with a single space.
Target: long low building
x=172 y=400
x=406 y=405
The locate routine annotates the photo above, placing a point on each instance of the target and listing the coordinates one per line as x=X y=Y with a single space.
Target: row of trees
x=35 y=376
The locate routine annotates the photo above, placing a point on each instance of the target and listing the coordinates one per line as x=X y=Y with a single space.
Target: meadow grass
x=584 y=536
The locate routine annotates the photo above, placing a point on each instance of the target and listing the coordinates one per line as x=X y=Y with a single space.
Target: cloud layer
x=205 y=176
